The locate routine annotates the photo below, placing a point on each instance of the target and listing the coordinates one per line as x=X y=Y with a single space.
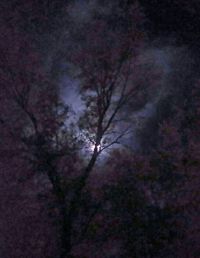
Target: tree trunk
x=66 y=234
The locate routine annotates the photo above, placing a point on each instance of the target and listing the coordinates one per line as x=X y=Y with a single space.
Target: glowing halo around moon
x=92 y=147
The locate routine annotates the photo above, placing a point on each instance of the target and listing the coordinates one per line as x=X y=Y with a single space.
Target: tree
x=21 y=76
x=47 y=183
x=154 y=197
x=174 y=166
x=37 y=133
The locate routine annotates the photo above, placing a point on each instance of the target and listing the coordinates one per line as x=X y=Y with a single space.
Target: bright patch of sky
x=70 y=94
x=159 y=58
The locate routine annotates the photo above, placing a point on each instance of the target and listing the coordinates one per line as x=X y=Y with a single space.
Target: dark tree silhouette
x=34 y=120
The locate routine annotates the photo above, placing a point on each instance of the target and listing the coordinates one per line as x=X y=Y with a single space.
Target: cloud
x=82 y=11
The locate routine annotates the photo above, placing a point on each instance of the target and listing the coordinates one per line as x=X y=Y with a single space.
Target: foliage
x=59 y=202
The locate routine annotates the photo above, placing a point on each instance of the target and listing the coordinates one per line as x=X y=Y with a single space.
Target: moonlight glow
x=92 y=147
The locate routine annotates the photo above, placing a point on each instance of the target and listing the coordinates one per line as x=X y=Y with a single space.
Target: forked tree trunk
x=67 y=216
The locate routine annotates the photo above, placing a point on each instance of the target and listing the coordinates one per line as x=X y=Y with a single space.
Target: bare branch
x=116 y=140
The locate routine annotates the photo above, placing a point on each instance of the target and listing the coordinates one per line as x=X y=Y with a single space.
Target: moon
x=92 y=147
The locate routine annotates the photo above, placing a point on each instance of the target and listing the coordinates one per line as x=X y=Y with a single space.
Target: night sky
x=172 y=45
x=99 y=129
